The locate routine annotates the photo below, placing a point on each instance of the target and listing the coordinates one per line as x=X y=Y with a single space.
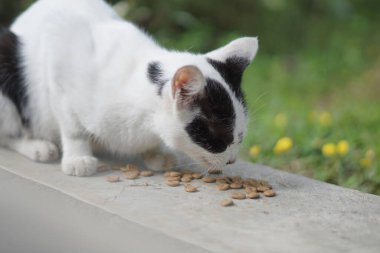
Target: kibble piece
x=265 y=183
x=175 y=174
x=228 y=180
x=236 y=185
x=190 y=188
x=220 y=181
x=146 y=173
x=172 y=183
x=238 y=195
x=132 y=174
x=249 y=189
x=189 y=175
x=237 y=179
x=269 y=193
x=262 y=188
x=113 y=179
x=223 y=187
x=173 y=178
x=130 y=167
x=226 y=202
x=209 y=179
x=253 y=195
x=186 y=172
x=186 y=179
x=251 y=182
x=197 y=175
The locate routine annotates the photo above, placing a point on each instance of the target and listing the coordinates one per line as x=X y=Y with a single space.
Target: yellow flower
x=329 y=149
x=365 y=162
x=283 y=145
x=325 y=118
x=254 y=150
x=342 y=147
x=281 y=120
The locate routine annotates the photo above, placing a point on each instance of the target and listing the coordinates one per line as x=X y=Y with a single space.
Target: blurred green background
x=314 y=88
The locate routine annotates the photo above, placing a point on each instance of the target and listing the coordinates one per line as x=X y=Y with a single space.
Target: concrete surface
x=146 y=215
x=38 y=219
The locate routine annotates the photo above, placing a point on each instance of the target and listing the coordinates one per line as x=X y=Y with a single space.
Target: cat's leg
x=77 y=157
x=158 y=161
x=36 y=150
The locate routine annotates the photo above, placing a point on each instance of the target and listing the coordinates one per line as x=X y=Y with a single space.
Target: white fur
x=87 y=74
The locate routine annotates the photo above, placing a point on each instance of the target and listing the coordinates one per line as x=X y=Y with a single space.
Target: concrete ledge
x=144 y=215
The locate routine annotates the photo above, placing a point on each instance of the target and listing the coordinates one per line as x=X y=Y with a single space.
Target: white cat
x=73 y=72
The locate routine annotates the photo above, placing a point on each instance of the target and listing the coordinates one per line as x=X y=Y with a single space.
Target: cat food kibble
x=208 y=180
x=223 y=187
x=130 y=167
x=186 y=179
x=190 y=188
x=238 y=195
x=262 y=188
x=132 y=174
x=226 y=202
x=173 y=178
x=253 y=195
x=220 y=181
x=197 y=175
x=187 y=172
x=113 y=179
x=175 y=174
x=249 y=189
x=146 y=173
x=269 y=193
x=173 y=183
x=236 y=186
x=228 y=180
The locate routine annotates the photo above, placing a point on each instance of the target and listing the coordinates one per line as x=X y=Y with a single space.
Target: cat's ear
x=243 y=48
x=187 y=85
x=231 y=60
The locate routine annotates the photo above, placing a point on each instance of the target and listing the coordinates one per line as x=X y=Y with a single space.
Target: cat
x=73 y=73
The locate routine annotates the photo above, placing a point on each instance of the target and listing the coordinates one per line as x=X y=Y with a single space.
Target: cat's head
x=205 y=100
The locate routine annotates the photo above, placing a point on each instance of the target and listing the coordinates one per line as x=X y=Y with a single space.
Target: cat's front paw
x=40 y=151
x=159 y=162
x=81 y=166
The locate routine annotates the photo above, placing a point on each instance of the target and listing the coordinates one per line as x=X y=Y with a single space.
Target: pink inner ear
x=181 y=78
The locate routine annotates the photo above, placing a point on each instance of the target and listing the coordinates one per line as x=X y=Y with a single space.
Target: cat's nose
x=231 y=161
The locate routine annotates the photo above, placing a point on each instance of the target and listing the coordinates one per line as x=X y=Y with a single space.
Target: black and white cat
x=73 y=72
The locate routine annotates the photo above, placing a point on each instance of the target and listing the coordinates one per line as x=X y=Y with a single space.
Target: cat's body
x=82 y=74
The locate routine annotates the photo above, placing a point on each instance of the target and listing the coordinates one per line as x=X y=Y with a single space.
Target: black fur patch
x=213 y=128
x=232 y=72
x=156 y=75
x=12 y=83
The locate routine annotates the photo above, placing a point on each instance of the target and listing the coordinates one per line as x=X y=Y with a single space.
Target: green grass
x=300 y=86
